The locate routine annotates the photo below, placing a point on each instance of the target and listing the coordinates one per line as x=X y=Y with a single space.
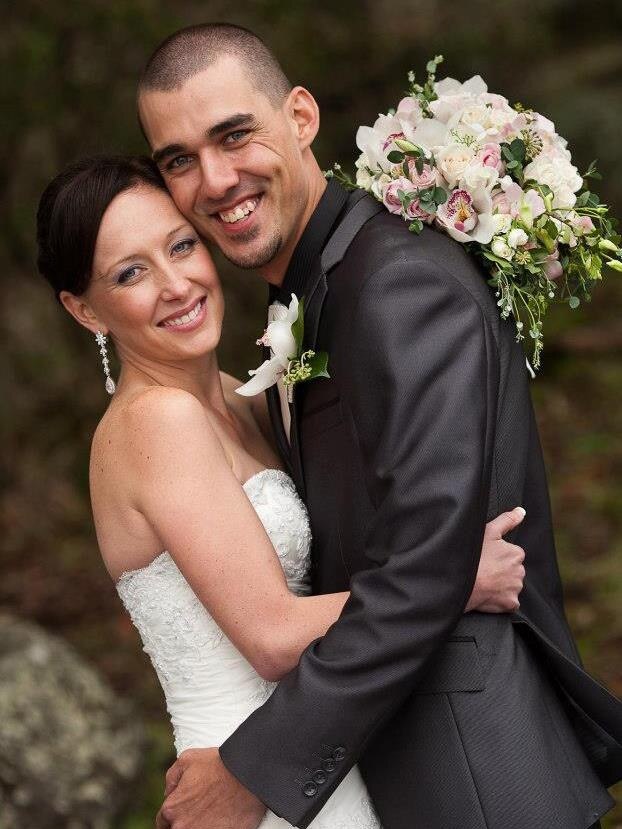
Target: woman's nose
x=174 y=283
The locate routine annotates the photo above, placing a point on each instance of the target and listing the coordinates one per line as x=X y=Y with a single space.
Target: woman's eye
x=183 y=246
x=127 y=275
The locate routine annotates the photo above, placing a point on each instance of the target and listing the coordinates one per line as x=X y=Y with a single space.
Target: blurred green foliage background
x=67 y=80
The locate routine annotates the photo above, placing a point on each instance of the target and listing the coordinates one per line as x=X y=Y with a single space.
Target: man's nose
x=218 y=177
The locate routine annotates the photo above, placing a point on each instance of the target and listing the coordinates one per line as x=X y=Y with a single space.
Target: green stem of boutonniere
x=297 y=371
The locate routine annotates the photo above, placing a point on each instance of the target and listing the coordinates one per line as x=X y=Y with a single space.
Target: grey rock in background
x=70 y=749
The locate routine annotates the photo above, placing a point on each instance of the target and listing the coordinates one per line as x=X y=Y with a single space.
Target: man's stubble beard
x=258 y=259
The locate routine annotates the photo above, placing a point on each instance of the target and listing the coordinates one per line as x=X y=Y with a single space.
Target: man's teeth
x=242 y=210
x=191 y=315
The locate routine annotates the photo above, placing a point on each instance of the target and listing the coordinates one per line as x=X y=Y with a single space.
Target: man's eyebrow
x=171 y=149
x=238 y=120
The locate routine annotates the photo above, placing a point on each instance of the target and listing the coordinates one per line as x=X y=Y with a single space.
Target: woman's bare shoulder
x=154 y=417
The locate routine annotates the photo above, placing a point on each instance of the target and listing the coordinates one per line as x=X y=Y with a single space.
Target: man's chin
x=254 y=256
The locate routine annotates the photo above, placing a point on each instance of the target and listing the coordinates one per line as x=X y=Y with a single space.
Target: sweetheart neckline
x=253 y=478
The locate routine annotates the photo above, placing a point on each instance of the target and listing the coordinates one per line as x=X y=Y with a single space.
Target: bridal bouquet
x=499 y=179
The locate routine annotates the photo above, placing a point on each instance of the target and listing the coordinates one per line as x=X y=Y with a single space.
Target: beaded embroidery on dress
x=208 y=685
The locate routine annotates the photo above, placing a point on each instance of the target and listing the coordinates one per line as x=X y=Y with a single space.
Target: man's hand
x=501 y=573
x=202 y=794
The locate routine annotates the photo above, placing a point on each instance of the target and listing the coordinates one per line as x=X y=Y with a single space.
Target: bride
x=204 y=535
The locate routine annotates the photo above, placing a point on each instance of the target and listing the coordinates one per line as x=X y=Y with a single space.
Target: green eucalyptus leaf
x=518 y=149
x=395 y=157
x=550 y=228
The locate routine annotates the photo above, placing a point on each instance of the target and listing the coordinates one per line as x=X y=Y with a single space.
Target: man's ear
x=305 y=114
x=81 y=311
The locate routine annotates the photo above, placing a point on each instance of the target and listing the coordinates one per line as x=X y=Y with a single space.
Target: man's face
x=232 y=161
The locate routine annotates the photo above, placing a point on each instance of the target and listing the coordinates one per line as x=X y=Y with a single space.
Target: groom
x=423 y=431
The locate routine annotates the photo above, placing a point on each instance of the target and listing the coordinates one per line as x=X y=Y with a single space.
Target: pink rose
x=501 y=203
x=427 y=178
x=490 y=156
x=392 y=202
x=390 y=199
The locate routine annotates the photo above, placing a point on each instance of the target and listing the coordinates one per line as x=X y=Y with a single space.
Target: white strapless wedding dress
x=209 y=687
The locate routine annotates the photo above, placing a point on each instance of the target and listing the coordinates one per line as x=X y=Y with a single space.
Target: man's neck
x=274 y=272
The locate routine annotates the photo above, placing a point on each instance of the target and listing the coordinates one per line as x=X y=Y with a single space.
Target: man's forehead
x=205 y=100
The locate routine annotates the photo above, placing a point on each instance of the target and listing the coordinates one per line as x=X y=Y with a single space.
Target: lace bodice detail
x=186 y=646
x=209 y=687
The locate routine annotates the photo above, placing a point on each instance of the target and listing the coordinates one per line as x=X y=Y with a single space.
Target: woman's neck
x=200 y=377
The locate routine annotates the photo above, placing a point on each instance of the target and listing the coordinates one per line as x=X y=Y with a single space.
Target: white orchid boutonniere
x=288 y=363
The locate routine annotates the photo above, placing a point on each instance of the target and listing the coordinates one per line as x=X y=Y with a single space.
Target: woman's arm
x=498 y=584
x=184 y=485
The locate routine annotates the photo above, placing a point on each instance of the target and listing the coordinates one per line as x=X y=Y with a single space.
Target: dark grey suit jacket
x=423 y=432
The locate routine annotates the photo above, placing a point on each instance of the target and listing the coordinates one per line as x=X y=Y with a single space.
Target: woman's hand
x=501 y=572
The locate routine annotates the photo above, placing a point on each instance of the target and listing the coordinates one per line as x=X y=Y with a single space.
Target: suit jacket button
x=309 y=788
x=339 y=753
x=319 y=776
x=328 y=764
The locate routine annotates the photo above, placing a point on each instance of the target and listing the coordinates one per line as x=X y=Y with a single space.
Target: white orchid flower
x=282 y=343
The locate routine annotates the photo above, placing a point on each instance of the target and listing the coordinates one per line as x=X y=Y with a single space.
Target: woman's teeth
x=191 y=315
x=242 y=210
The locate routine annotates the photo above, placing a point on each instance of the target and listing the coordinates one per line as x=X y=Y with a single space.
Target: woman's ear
x=305 y=115
x=81 y=311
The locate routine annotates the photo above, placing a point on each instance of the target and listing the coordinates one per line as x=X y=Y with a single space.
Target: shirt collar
x=311 y=243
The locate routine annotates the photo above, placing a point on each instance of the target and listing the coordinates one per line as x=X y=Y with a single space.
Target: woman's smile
x=188 y=319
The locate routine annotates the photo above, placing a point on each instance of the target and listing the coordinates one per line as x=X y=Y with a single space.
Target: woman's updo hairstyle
x=71 y=210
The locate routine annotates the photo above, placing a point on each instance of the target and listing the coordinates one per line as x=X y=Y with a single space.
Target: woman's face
x=154 y=286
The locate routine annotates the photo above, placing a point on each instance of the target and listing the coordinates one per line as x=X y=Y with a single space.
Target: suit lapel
x=314 y=301
x=276 y=420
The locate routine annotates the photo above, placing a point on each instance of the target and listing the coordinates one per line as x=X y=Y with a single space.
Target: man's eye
x=238 y=135
x=127 y=275
x=177 y=162
x=183 y=246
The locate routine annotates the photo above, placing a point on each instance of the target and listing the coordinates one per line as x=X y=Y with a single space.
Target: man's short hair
x=191 y=50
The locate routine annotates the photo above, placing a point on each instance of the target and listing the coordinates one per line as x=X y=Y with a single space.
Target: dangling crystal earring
x=101 y=342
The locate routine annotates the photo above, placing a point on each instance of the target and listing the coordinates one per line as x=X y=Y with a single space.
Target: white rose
x=453 y=160
x=478 y=175
x=501 y=248
x=559 y=174
x=378 y=185
x=517 y=237
x=502 y=222
x=364 y=178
